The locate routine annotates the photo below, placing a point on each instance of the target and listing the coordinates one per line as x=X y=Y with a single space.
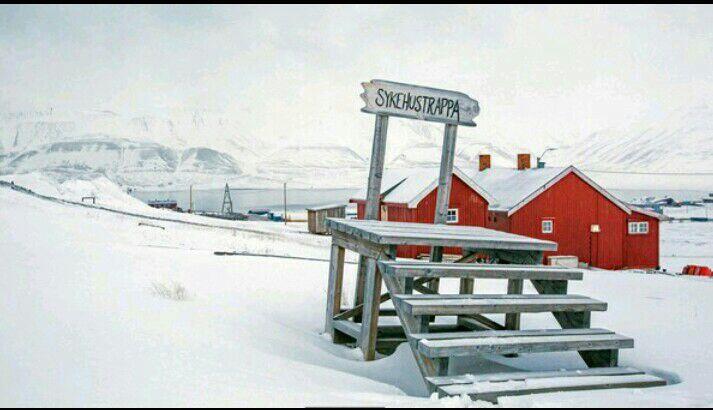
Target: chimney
x=483 y=162
x=523 y=161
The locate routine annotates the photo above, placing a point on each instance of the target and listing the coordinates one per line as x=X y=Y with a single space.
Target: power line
x=704 y=173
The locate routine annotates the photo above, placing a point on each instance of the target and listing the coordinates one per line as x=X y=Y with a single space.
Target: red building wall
x=642 y=251
x=574 y=206
x=499 y=221
x=472 y=211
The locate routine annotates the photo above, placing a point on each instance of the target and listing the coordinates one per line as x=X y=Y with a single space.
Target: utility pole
x=227 y=207
x=190 y=200
x=284 y=201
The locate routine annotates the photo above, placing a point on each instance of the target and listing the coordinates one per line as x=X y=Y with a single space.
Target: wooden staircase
x=434 y=345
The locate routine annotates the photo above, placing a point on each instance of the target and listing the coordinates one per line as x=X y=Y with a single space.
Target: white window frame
x=638 y=228
x=452 y=216
x=545 y=223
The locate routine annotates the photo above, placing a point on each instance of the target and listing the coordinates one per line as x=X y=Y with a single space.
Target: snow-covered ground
x=97 y=309
x=686 y=243
x=704 y=210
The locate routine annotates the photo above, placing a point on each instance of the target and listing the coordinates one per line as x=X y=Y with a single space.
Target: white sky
x=294 y=72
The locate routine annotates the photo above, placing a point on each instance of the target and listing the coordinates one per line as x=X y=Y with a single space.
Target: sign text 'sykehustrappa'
x=421 y=103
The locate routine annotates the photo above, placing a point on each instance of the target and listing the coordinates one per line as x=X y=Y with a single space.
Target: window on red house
x=548 y=226
x=452 y=216
x=638 y=228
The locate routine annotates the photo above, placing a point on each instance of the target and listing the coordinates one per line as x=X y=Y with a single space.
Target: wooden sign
x=420 y=103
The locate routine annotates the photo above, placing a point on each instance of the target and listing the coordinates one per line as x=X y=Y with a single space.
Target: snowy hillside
x=163 y=150
x=178 y=129
x=679 y=142
x=124 y=161
x=119 y=313
x=329 y=156
x=428 y=154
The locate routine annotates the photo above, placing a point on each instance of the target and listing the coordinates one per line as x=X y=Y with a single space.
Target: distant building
x=566 y=206
x=164 y=204
x=558 y=204
x=317 y=217
x=409 y=195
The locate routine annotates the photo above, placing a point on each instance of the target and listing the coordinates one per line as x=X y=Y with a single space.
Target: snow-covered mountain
x=178 y=129
x=428 y=154
x=679 y=142
x=183 y=147
x=328 y=156
x=125 y=161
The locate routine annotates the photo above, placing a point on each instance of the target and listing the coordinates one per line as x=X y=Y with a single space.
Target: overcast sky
x=294 y=72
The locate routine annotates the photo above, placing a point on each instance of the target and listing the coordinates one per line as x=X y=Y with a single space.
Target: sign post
x=444 y=191
x=385 y=99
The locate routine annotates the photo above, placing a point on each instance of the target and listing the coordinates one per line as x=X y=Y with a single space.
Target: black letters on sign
x=420 y=104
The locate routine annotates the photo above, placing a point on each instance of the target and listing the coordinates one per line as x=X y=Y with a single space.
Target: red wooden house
x=558 y=204
x=566 y=206
x=409 y=195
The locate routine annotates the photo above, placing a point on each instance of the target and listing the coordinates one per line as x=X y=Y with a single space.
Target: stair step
x=480 y=271
x=442 y=381
x=420 y=305
x=508 y=333
x=510 y=344
x=490 y=387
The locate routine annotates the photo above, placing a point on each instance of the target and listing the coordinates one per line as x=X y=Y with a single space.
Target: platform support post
x=444 y=190
x=334 y=289
x=365 y=271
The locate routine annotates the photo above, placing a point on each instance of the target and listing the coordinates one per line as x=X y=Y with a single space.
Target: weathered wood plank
x=449 y=296
x=460 y=270
x=534 y=344
x=518 y=376
x=349 y=328
x=443 y=193
x=491 y=391
x=480 y=305
x=445 y=106
x=510 y=333
x=479 y=322
x=359 y=286
x=373 y=198
x=512 y=320
x=399 y=233
x=446 y=240
x=356 y=311
x=372 y=292
x=334 y=288
x=466 y=262
x=360 y=246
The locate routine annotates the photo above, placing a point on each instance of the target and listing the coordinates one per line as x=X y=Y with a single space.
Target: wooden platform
x=416 y=305
x=401 y=233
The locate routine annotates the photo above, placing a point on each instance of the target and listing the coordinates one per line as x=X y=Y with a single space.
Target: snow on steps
x=404 y=269
x=443 y=305
x=598 y=347
x=516 y=344
x=489 y=387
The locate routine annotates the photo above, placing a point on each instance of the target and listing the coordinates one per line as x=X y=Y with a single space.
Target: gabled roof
x=513 y=189
x=649 y=212
x=410 y=186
